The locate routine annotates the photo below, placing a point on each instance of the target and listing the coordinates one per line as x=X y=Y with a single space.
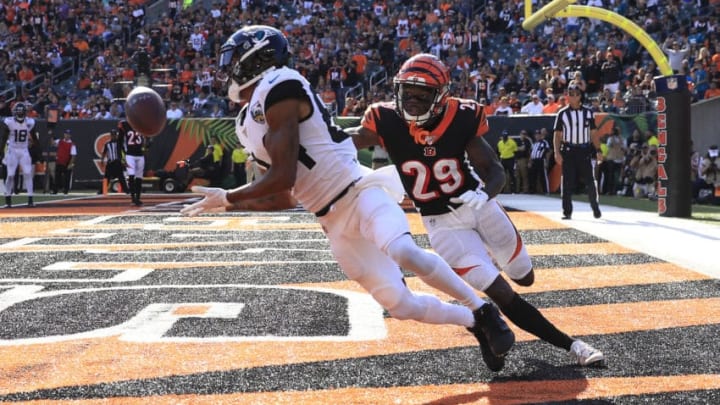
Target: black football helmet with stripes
x=424 y=70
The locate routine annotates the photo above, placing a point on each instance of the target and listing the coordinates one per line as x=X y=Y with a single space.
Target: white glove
x=215 y=200
x=475 y=199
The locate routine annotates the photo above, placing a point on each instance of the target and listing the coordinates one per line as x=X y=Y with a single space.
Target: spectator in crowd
x=174 y=112
x=645 y=172
x=504 y=107
x=209 y=166
x=713 y=91
x=534 y=106
x=676 y=53
x=707 y=187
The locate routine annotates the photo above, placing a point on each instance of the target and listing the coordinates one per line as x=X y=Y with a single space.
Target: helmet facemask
x=20 y=112
x=418 y=103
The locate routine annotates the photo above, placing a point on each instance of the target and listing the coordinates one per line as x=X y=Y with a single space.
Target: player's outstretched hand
x=475 y=199
x=215 y=199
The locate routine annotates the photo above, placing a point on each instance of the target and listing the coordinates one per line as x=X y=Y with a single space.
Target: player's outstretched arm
x=282 y=143
x=363 y=137
x=487 y=165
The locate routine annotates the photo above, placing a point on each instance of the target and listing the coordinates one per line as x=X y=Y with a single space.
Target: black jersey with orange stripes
x=133 y=142
x=431 y=163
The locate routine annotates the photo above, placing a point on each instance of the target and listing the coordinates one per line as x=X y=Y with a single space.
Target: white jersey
x=19 y=135
x=327 y=163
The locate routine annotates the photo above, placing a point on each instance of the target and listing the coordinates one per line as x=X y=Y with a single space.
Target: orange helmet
x=424 y=70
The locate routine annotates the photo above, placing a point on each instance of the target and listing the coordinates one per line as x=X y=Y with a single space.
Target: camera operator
x=645 y=172
x=707 y=187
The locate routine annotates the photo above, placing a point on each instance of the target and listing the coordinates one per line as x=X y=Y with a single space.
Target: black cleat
x=493 y=362
x=493 y=328
x=566 y=216
x=596 y=213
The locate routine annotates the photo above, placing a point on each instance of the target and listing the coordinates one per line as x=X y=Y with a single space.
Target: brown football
x=145 y=111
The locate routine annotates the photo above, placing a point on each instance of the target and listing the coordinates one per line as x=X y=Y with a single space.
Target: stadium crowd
x=78 y=59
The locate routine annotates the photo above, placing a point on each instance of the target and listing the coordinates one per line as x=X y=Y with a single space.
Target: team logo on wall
x=672 y=83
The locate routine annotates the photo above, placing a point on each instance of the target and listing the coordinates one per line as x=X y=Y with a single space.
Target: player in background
x=133 y=147
x=16 y=136
x=286 y=128
x=428 y=135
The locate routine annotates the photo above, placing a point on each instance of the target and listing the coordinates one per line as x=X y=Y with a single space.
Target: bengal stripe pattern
x=428 y=68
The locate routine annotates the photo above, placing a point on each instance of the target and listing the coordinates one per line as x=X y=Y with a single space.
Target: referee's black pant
x=538 y=176
x=577 y=164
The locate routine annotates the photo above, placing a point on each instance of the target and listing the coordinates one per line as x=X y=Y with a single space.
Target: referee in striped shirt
x=575 y=142
x=113 y=158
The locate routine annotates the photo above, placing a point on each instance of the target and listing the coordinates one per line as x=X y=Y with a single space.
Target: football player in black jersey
x=133 y=145
x=436 y=143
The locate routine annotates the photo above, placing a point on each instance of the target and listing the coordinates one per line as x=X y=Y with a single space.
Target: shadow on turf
x=570 y=382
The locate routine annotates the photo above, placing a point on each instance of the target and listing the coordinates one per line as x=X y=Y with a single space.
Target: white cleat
x=586 y=355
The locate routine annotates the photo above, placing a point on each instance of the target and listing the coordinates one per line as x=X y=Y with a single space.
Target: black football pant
x=537 y=176
x=63 y=175
x=577 y=165
x=114 y=170
x=509 y=166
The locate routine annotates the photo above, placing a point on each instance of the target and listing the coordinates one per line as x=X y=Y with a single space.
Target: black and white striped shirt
x=539 y=149
x=575 y=125
x=112 y=150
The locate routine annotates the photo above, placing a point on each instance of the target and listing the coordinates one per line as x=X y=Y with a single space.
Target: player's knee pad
x=480 y=276
x=519 y=268
x=401 y=304
x=408 y=255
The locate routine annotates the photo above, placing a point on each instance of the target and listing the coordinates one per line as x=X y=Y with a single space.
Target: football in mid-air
x=145 y=111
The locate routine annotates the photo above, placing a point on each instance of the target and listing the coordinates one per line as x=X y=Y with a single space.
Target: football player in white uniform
x=288 y=131
x=16 y=133
x=428 y=135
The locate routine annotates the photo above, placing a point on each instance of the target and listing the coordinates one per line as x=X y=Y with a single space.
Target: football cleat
x=493 y=328
x=493 y=362
x=586 y=355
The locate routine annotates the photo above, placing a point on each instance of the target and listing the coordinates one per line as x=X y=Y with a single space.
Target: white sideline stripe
x=250 y=221
x=203 y=252
x=70 y=233
x=365 y=316
x=217 y=223
x=687 y=243
x=20 y=242
x=97 y=220
x=127 y=273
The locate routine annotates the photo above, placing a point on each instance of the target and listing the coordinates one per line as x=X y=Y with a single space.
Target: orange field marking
x=109 y=359
x=577 y=248
x=189 y=310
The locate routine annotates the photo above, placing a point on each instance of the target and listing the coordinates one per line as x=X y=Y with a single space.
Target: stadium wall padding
x=185 y=138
